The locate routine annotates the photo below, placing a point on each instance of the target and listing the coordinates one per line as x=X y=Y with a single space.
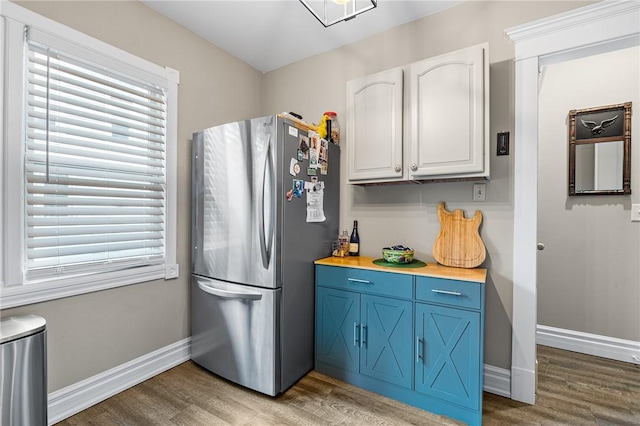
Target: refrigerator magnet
x=312 y=171
x=290 y=195
x=313 y=159
x=314 y=149
x=315 y=203
x=300 y=155
x=324 y=150
x=294 y=167
x=303 y=146
x=324 y=167
x=298 y=186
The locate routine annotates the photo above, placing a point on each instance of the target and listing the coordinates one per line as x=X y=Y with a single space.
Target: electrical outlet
x=479 y=190
x=635 y=212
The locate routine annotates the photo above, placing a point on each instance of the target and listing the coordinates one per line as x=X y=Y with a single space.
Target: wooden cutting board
x=458 y=243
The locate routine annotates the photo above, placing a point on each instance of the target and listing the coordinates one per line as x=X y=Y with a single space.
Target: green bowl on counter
x=398 y=254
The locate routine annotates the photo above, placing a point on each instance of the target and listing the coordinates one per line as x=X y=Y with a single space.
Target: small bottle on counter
x=354 y=241
x=333 y=127
x=343 y=249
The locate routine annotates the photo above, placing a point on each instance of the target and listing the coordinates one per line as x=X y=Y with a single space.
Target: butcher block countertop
x=435 y=270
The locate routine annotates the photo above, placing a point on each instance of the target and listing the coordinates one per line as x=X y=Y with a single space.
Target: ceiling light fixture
x=330 y=12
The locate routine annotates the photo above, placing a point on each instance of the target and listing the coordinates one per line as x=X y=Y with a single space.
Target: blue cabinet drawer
x=365 y=281
x=465 y=294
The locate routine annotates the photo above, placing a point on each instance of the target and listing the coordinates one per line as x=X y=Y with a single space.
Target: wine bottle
x=354 y=241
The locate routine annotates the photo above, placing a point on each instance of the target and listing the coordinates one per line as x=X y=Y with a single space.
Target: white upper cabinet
x=448 y=99
x=442 y=134
x=374 y=127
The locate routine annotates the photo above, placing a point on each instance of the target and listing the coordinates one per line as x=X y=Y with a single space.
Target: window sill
x=20 y=295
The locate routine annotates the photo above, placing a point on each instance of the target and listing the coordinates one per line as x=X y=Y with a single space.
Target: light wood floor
x=573 y=389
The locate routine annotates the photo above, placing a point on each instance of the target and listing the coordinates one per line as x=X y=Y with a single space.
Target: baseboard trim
x=497 y=381
x=590 y=344
x=72 y=399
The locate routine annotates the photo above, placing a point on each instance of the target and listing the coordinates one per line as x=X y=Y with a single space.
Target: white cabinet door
x=448 y=100
x=374 y=127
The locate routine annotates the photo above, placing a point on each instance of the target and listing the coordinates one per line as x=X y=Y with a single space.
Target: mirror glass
x=600 y=150
x=599 y=166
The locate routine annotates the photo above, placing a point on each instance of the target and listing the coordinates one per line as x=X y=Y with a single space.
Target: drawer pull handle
x=418 y=348
x=452 y=293
x=356 y=280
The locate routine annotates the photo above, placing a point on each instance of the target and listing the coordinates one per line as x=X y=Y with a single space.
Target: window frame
x=15 y=290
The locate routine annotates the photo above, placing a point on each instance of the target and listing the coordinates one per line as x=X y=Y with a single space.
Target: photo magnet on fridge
x=298 y=186
x=303 y=148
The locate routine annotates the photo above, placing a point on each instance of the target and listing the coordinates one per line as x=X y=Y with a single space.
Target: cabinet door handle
x=452 y=293
x=356 y=280
x=363 y=336
x=418 y=347
x=355 y=334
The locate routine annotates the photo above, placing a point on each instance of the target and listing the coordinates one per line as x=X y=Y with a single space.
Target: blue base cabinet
x=411 y=337
x=365 y=334
x=337 y=316
x=386 y=325
x=448 y=356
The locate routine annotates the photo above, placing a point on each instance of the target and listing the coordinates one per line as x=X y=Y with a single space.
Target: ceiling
x=270 y=34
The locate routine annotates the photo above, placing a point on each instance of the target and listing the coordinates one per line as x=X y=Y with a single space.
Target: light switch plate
x=503 y=143
x=479 y=191
x=635 y=212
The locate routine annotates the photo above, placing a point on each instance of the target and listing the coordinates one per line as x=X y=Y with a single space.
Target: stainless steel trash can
x=23 y=360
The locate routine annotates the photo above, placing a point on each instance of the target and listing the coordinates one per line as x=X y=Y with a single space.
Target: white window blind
x=94 y=167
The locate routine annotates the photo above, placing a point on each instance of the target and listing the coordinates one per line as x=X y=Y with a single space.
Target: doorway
x=584 y=32
x=588 y=290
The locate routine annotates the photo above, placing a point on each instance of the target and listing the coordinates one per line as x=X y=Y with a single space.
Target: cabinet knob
x=414 y=167
x=540 y=246
x=398 y=169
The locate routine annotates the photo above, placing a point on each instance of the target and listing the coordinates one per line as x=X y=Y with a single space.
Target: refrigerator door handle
x=225 y=294
x=265 y=245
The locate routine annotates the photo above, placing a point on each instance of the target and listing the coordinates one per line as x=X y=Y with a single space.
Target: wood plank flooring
x=573 y=389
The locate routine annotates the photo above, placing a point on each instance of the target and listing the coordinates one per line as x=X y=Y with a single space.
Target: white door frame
x=586 y=31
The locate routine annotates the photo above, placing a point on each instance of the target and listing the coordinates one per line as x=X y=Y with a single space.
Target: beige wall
x=406 y=213
x=92 y=333
x=588 y=272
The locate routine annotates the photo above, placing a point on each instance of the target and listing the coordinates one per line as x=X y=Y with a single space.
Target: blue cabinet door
x=387 y=330
x=338 y=328
x=448 y=354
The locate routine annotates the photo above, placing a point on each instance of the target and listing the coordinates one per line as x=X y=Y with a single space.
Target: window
x=90 y=141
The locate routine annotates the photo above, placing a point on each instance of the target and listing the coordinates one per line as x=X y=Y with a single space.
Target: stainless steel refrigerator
x=260 y=188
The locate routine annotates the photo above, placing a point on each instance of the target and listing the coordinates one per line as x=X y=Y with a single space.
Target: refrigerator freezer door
x=233 y=202
x=235 y=333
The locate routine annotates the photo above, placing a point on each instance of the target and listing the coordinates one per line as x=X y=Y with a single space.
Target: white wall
x=406 y=213
x=588 y=274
